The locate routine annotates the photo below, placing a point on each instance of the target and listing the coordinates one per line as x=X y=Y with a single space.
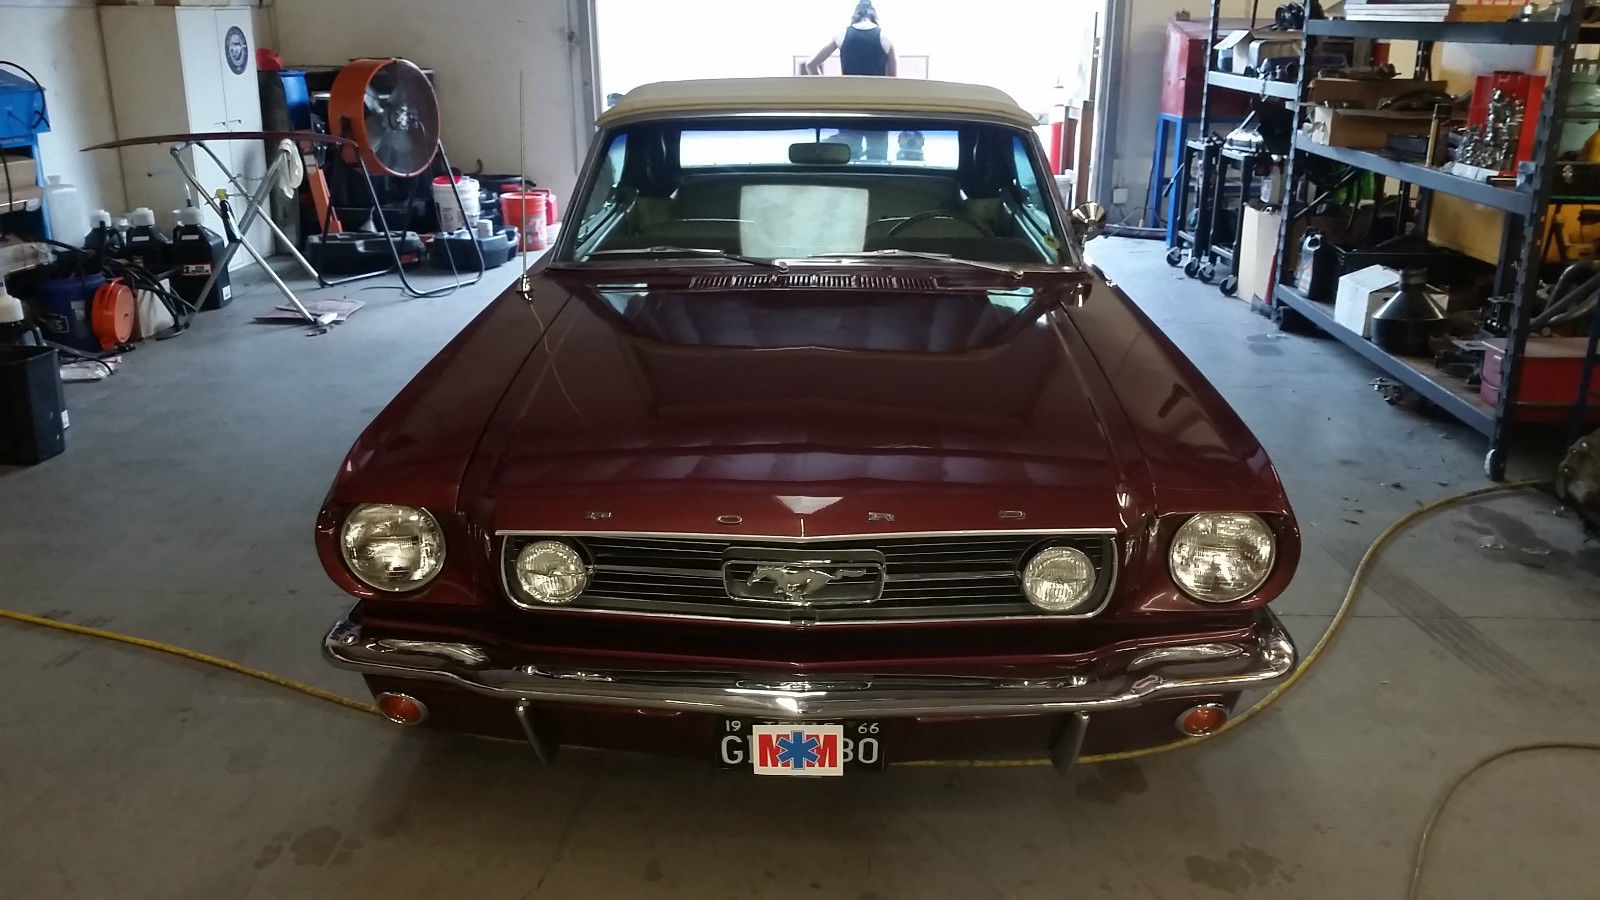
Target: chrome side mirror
x=1088 y=221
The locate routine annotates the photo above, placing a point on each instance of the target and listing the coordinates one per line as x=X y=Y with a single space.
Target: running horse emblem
x=796 y=583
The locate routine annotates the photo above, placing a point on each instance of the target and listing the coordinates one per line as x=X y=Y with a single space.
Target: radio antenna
x=523 y=285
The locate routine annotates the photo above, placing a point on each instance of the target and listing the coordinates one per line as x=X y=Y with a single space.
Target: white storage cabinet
x=185 y=70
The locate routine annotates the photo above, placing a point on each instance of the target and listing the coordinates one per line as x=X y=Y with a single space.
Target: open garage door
x=1044 y=53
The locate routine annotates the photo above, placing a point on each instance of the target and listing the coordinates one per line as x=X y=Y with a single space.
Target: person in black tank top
x=863 y=50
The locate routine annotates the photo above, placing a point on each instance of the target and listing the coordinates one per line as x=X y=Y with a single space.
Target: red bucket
x=551 y=214
x=527 y=211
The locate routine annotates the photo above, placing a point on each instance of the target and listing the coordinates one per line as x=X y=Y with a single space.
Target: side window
x=1028 y=180
x=602 y=192
x=1035 y=210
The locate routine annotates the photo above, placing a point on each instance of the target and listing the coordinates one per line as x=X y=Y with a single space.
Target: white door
x=241 y=95
x=202 y=68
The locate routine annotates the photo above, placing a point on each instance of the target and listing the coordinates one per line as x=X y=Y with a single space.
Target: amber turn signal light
x=1207 y=718
x=402 y=709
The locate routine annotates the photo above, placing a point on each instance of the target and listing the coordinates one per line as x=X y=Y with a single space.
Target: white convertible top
x=846 y=94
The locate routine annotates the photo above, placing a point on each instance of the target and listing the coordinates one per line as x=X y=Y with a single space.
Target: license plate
x=809 y=749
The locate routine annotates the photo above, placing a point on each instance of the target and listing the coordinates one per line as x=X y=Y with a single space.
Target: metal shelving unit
x=1561 y=30
x=1244 y=84
x=1526 y=208
x=1207 y=248
x=1504 y=199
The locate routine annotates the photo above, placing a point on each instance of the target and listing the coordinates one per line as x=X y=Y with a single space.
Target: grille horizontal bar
x=934 y=577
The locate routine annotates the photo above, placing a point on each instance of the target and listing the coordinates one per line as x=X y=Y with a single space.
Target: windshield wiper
x=780 y=265
x=1013 y=271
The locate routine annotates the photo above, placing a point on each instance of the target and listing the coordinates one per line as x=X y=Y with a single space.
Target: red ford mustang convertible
x=815 y=445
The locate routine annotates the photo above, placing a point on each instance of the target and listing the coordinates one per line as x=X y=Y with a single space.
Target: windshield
x=784 y=188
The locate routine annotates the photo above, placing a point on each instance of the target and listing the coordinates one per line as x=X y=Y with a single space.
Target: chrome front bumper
x=1166 y=672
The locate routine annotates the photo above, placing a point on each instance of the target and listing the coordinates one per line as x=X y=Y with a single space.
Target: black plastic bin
x=1341 y=258
x=32 y=415
x=454 y=251
x=357 y=252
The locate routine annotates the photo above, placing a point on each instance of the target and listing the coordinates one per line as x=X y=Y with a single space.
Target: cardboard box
x=1363 y=129
x=17 y=170
x=1360 y=295
x=21 y=198
x=1482 y=10
x=1365 y=93
x=1354 y=120
x=1256 y=252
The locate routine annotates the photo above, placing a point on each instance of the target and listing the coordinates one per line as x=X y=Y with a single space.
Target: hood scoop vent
x=812 y=281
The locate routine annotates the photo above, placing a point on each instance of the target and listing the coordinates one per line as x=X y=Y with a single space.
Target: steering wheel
x=932 y=214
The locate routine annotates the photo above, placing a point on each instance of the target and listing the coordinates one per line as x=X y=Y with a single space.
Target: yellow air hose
x=195 y=655
x=1468 y=772
x=1357 y=581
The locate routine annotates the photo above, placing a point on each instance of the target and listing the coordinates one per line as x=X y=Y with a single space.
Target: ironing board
x=254 y=207
x=255 y=202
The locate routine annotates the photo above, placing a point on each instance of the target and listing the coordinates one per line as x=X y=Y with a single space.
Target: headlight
x=392 y=548
x=1221 y=557
x=551 y=572
x=1059 y=579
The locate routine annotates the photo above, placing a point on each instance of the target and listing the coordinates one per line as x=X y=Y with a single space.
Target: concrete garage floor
x=182 y=512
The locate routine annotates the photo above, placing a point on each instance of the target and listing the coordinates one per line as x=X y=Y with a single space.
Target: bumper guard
x=1161 y=673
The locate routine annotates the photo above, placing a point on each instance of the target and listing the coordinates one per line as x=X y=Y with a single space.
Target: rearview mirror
x=1088 y=221
x=820 y=154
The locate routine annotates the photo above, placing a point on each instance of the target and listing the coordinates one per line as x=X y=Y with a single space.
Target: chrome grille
x=814 y=280
x=932 y=577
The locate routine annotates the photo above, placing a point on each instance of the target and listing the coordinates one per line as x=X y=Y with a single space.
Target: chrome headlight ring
x=550 y=572
x=1059 y=579
x=392 y=548
x=1222 y=557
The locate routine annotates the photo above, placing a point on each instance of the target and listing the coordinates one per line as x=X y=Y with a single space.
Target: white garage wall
x=476 y=47
x=60 y=43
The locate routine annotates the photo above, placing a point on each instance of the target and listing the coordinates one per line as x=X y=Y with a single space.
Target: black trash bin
x=32 y=415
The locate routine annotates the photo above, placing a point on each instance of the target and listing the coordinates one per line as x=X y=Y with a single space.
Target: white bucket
x=445 y=198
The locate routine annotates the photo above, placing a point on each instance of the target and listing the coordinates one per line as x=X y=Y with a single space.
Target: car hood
x=651 y=407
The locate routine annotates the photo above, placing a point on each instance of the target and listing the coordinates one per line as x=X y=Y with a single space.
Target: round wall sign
x=236 y=49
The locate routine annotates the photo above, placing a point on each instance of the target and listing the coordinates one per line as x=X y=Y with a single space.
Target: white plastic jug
x=446 y=192
x=64 y=210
